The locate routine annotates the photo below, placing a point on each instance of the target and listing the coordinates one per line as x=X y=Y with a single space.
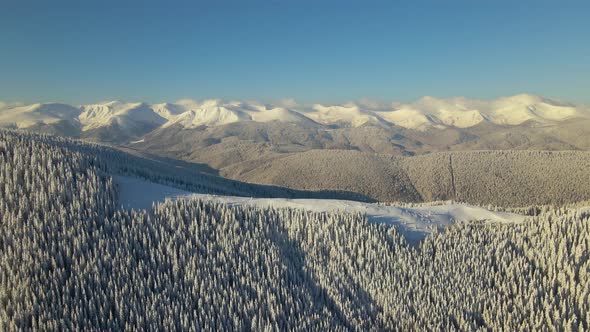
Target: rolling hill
x=503 y=178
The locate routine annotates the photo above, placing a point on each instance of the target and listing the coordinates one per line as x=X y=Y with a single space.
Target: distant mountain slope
x=465 y=113
x=26 y=116
x=126 y=115
x=426 y=113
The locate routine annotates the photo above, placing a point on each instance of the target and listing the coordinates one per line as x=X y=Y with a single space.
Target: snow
x=126 y=115
x=211 y=112
x=520 y=108
x=425 y=113
x=464 y=113
x=276 y=114
x=348 y=113
x=26 y=116
x=430 y=111
x=216 y=112
x=414 y=223
x=169 y=111
x=407 y=118
x=211 y=116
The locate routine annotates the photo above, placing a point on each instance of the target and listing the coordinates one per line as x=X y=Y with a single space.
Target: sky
x=313 y=51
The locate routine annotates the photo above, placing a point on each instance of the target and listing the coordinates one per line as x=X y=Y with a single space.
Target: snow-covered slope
x=407 y=118
x=30 y=115
x=415 y=223
x=277 y=114
x=209 y=114
x=425 y=113
x=518 y=109
x=216 y=112
x=170 y=110
x=349 y=113
x=266 y=113
x=429 y=111
x=125 y=115
x=463 y=113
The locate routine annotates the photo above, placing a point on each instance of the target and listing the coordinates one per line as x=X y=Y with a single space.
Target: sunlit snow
x=415 y=223
x=424 y=113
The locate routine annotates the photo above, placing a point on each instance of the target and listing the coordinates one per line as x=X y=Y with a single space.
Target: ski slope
x=414 y=223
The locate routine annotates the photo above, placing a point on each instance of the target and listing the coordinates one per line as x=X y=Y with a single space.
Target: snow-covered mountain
x=427 y=112
x=124 y=115
x=24 y=116
x=208 y=113
x=464 y=113
x=216 y=112
x=349 y=113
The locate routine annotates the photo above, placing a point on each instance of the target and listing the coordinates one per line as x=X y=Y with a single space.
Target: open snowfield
x=415 y=223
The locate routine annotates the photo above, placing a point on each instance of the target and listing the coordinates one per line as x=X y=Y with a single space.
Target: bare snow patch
x=414 y=223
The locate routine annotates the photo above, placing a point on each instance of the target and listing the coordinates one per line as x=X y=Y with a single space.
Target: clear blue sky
x=324 y=51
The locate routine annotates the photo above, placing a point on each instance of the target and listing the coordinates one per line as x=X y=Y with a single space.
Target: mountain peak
x=426 y=112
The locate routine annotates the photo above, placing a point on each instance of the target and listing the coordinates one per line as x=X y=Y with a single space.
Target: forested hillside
x=380 y=177
x=111 y=160
x=70 y=260
x=504 y=178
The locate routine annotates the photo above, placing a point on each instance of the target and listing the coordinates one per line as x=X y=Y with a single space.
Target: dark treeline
x=70 y=261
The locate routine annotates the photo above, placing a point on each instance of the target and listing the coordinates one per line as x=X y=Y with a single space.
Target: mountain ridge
x=421 y=115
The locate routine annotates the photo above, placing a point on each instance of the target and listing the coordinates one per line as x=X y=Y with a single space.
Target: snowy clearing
x=415 y=223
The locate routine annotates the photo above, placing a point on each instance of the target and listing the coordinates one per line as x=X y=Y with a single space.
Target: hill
x=503 y=178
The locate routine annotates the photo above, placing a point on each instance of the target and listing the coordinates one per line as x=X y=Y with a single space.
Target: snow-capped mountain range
x=423 y=114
